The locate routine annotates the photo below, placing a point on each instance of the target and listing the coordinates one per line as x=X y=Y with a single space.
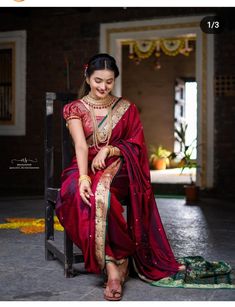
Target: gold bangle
x=116 y=151
x=84 y=177
x=111 y=150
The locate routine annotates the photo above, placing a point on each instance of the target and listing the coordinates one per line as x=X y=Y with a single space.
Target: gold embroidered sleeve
x=71 y=111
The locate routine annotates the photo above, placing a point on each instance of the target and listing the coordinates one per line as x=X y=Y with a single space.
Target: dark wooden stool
x=66 y=255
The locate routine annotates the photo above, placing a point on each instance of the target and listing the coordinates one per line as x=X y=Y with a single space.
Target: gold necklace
x=100 y=137
x=103 y=136
x=102 y=103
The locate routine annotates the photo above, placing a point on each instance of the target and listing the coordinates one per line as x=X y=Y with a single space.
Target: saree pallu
x=101 y=230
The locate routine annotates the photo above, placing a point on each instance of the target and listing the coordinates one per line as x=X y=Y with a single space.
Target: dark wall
x=52 y=34
x=225 y=112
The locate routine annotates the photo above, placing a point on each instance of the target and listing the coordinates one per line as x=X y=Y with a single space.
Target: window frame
x=18 y=40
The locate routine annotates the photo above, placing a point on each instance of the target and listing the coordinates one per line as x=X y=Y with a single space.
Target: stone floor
x=205 y=229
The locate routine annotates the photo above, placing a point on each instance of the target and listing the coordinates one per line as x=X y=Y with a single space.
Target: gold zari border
x=102 y=203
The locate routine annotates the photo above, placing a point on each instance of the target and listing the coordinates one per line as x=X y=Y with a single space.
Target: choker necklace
x=99 y=103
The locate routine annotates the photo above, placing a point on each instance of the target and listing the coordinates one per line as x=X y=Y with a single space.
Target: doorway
x=114 y=34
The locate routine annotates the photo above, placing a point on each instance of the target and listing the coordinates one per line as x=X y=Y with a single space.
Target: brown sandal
x=116 y=294
x=124 y=276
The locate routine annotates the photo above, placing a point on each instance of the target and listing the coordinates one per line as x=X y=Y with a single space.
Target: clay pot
x=160 y=163
x=191 y=192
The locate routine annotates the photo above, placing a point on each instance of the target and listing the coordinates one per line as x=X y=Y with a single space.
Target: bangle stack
x=111 y=150
x=84 y=177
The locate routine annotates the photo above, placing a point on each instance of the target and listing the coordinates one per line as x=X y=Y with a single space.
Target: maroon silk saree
x=101 y=231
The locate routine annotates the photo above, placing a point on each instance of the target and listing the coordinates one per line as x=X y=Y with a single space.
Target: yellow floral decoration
x=29 y=225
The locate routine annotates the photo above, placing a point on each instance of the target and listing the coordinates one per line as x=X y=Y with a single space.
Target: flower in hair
x=85 y=66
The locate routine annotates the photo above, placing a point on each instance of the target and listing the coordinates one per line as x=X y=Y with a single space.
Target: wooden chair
x=66 y=255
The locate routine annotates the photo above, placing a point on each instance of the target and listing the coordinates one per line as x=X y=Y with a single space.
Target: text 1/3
x=213 y=24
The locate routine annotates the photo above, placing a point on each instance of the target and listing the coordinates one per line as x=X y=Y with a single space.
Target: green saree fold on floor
x=200 y=274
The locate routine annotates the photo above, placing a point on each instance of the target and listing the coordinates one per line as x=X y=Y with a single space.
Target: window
x=7 y=88
x=12 y=82
x=186 y=111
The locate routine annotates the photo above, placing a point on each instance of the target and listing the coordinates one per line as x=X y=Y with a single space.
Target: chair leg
x=69 y=271
x=49 y=255
x=49 y=228
x=68 y=256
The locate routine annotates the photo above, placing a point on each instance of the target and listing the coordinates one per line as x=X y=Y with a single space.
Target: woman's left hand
x=99 y=160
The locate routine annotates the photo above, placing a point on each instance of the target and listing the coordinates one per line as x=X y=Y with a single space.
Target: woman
x=110 y=167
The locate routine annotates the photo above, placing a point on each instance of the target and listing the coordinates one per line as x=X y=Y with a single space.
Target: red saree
x=101 y=231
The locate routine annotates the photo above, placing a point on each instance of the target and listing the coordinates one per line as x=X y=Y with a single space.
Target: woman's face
x=101 y=83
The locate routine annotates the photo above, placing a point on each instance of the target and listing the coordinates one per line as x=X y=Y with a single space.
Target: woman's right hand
x=85 y=192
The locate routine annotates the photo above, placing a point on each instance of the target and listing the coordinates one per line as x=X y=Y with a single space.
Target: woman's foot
x=124 y=270
x=182 y=268
x=113 y=290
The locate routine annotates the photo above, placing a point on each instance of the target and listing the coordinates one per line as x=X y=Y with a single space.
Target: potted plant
x=191 y=190
x=159 y=158
x=186 y=151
